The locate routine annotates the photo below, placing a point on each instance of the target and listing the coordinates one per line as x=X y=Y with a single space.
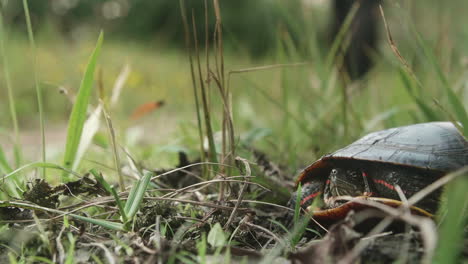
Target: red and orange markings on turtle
x=411 y=157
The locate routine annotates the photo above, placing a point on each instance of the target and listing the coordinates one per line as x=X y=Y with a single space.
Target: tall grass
x=11 y=97
x=204 y=78
x=40 y=100
x=79 y=111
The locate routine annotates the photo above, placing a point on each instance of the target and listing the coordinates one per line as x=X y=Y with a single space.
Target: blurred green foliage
x=252 y=25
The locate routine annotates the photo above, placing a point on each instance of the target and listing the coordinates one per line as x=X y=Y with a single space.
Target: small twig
x=115 y=150
x=208 y=183
x=185 y=167
x=265 y=231
x=377 y=235
x=241 y=193
x=59 y=246
x=266 y=203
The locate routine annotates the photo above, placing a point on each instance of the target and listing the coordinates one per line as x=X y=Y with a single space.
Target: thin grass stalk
x=219 y=81
x=219 y=41
x=344 y=109
x=397 y=53
x=115 y=151
x=303 y=125
x=111 y=133
x=228 y=127
x=11 y=99
x=207 y=40
x=337 y=43
x=345 y=81
x=457 y=106
x=38 y=88
x=110 y=189
x=206 y=110
x=188 y=46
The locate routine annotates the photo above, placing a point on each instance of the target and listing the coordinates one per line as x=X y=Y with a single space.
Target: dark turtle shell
x=436 y=146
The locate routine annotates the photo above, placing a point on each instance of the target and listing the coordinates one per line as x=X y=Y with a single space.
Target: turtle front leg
x=367 y=190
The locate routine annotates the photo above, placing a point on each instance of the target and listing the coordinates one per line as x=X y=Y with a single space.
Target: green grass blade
x=132 y=195
x=11 y=100
x=71 y=249
x=40 y=165
x=100 y=222
x=36 y=259
x=30 y=206
x=455 y=103
x=9 y=186
x=451 y=230
x=111 y=190
x=297 y=205
x=139 y=193
x=338 y=41
x=36 y=82
x=423 y=106
x=4 y=165
x=78 y=114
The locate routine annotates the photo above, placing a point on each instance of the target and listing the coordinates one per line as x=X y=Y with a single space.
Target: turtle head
x=346 y=182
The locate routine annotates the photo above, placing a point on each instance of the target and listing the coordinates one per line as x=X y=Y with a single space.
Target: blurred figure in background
x=361 y=37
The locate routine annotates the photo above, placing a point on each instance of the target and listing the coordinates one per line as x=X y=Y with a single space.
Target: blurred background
x=294 y=113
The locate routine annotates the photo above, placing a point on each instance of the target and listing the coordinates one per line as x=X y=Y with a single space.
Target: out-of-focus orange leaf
x=145 y=109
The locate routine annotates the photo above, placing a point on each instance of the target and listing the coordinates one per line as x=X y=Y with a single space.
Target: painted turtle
x=411 y=157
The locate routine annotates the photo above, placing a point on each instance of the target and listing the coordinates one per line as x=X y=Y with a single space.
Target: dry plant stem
x=114 y=147
x=227 y=122
x=241 y=193
x=59 y=246
x=228 y=151
x=396 y=51
x=185 y=167
x=203 y=184
x=218 y=35
x=377 y=235
x=207 y=42
x=119 y=84
x=206 y=111
x=188 y=47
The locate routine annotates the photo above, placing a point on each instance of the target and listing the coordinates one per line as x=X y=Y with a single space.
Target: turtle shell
x=435 y=146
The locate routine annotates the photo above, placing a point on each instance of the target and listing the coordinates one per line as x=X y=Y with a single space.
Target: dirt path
x=149 y=132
